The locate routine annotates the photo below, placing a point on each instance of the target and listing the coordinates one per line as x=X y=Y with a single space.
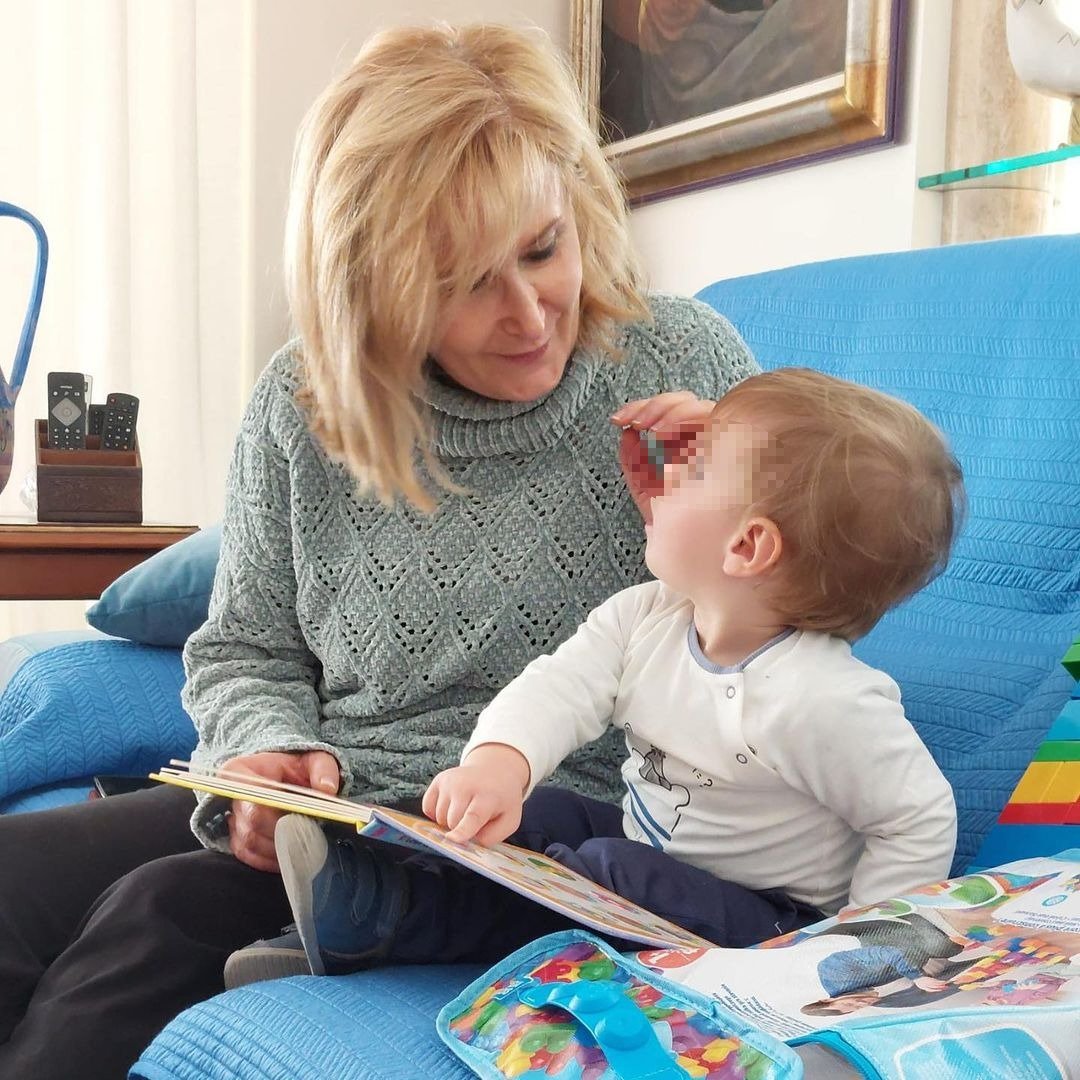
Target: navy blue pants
x=456 y=915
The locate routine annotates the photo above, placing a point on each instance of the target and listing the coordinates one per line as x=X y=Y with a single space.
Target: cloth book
x=971 y=978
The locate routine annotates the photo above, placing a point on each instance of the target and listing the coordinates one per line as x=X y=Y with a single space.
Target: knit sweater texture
x=378 y=634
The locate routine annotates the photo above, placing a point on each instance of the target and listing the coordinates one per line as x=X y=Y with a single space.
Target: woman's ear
x=754 y=549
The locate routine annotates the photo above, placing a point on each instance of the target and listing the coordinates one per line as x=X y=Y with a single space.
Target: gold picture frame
x=852 y=109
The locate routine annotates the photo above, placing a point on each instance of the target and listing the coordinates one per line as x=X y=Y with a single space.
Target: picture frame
x=663 y=140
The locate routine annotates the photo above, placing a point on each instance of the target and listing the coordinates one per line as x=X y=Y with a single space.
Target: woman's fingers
x=251 y=835
x=320 y=771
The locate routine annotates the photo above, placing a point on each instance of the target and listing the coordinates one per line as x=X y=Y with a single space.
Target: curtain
x=125 y=129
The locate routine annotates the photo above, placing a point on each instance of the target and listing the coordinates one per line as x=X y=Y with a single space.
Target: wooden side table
x=74 y=562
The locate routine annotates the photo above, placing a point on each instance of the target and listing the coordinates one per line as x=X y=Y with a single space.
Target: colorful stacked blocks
x=1045 y=805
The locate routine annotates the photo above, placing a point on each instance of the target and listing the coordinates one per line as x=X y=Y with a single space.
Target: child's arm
x=563 y=701
x=866 y=763
x=558 y=703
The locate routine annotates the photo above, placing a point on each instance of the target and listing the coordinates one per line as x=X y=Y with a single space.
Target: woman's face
x=511 y=337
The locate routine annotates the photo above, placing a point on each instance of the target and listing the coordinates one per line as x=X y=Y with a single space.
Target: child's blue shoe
x=347 y=899
x=274 y=958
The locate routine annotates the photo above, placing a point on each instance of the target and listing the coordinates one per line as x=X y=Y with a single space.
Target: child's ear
x=754 y=549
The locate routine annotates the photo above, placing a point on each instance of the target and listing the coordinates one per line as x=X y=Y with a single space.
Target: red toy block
x=1073 y=817
x=1037 y=813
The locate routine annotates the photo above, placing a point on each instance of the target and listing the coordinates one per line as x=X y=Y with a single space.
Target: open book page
x=1008 y=936
x=541 y=879
x=526 y=872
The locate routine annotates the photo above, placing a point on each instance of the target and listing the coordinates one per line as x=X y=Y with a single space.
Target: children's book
x=999 y=938
x=529 y=873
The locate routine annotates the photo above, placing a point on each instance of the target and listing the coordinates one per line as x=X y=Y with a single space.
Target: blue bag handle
x=619 y=1027
x=9 y=388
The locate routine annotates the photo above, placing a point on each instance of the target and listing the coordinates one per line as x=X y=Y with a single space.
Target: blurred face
x=703 y=505
x=511 y=337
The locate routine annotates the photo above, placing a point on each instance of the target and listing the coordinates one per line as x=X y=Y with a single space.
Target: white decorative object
x=1044 y=44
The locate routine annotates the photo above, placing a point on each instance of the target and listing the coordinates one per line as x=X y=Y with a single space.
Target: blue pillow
x=17 y=650
x=91 y=707
x=163 y=600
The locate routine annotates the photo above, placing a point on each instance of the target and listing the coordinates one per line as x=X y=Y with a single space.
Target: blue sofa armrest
x=377 y=1025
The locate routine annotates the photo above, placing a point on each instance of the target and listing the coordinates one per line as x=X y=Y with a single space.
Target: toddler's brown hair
x=865 y=492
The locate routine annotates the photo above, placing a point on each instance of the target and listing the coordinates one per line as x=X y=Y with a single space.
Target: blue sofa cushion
x=377 y=1025
x=15 y=651
x=91 y=707
x=164 y=599
x=984 y=339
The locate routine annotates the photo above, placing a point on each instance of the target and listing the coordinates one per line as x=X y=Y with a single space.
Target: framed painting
x=690 y=93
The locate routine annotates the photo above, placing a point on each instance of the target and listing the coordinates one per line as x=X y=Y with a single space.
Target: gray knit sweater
x=379 y=634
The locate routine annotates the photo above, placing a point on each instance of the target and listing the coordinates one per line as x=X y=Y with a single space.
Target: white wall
x=268 y=59
x=849 y=206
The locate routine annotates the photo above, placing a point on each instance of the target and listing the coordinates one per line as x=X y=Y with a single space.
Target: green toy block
x=1072 y=660
x=1058 y=750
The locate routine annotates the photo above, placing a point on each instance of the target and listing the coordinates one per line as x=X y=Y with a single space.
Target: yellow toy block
x=1065 y=786
x=1036 y=780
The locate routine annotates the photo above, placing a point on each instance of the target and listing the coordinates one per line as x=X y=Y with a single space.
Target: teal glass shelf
x=995 y=168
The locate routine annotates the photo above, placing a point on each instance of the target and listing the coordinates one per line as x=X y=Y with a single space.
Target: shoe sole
x=301 y=849
x=256 y=964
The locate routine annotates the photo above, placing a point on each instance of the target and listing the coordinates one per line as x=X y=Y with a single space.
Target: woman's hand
x=676 y=419
x=251 y=827
x=481 y=799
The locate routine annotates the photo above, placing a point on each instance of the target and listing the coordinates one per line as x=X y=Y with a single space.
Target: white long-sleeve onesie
x=797 y=769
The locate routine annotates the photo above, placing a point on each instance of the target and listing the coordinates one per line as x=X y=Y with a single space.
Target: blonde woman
x=426 y=493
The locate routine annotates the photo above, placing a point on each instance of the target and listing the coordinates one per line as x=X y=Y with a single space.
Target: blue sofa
x=985 y=339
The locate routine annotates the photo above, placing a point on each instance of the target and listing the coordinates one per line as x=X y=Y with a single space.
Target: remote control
x=67 y=410
x=118 y=426
x=95 y=419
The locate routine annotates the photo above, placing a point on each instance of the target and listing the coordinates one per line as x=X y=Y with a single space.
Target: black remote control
x=67 y=410
x=96 y=418
x=118 y=426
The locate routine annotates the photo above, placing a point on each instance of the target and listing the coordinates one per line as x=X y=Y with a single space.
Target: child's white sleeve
x=871 y=769
x=562 y=701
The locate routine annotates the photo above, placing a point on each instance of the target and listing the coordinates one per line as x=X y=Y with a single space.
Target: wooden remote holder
x=88 y=486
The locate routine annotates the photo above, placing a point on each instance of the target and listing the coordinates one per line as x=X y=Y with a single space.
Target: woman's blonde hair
x=863 y=488
x=414 y=172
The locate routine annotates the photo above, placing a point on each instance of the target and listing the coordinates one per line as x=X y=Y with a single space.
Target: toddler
x=771 y=778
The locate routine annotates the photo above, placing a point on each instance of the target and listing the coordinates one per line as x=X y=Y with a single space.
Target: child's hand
x=481 y=799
